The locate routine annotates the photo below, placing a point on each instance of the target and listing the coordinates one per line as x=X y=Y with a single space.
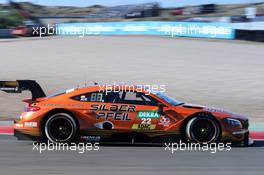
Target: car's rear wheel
x=203 y=129
x=61 y=128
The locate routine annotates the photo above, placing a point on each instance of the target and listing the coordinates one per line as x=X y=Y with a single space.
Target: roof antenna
x=95 y=83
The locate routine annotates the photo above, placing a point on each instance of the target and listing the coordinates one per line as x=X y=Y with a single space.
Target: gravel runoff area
x=225 y=74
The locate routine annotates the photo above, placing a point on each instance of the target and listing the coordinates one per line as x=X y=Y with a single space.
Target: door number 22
x=146 y=121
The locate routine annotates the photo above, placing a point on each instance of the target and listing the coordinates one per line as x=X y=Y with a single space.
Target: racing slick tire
x=61 y=128
x=203 y=128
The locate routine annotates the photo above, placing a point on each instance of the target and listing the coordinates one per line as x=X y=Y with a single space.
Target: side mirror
x=160 y=108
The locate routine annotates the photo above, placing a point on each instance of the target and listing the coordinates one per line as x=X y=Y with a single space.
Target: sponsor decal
x=120 y=108
x=63 y=105
x=19 y=125
x=148 y=114
x=31 y=124
x=83 y=98
x=215 y=110
x=144 y=126
x=91 y=138
x=34 y=104
x=113 y=115
x=115 y=112
x=11 y=89
x=164 y=121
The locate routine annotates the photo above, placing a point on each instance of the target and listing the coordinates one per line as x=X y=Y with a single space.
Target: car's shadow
x=257 y=143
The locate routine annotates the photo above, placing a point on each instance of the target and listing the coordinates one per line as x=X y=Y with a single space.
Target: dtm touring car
x=91 y=114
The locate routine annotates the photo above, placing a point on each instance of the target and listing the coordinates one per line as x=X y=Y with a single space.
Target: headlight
x=233 y=122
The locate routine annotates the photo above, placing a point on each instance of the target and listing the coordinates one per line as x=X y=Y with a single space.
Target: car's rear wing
x=23 y=85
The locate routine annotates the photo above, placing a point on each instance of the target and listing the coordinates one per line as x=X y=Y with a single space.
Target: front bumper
x=235 y=130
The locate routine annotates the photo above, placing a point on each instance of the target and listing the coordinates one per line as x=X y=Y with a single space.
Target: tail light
x=32 y=108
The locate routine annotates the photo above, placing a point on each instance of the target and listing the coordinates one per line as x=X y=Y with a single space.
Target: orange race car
x=94 y=114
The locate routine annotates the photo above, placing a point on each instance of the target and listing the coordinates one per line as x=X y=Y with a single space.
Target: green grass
x=9 y=18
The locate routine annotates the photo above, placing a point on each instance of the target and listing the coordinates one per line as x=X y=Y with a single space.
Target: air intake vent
x=192 y=107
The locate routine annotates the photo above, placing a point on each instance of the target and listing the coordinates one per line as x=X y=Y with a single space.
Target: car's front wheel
x=61 y=128
x=203 y=129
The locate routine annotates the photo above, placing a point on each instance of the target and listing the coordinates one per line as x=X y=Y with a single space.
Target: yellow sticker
x=34 y=104
x=144 y=126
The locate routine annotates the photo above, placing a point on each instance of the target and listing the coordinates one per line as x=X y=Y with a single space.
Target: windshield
x=168 y=99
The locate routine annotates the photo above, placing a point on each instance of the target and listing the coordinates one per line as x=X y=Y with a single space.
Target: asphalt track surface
x=18 y=157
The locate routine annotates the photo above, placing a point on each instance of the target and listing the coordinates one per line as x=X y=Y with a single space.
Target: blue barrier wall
x=6 y=33
x=187 y=29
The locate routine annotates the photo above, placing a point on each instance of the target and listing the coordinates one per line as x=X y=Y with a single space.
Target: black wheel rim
x=60 y=128
x=203 y=130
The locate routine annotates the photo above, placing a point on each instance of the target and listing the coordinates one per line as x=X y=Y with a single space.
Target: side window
x=150 y=100
x=114 y=97
x=118 y=97
x=138 y=98
x=91 y=97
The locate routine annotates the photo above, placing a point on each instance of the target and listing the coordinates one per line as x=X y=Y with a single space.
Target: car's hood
x=213 y=109
x=209 y=109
